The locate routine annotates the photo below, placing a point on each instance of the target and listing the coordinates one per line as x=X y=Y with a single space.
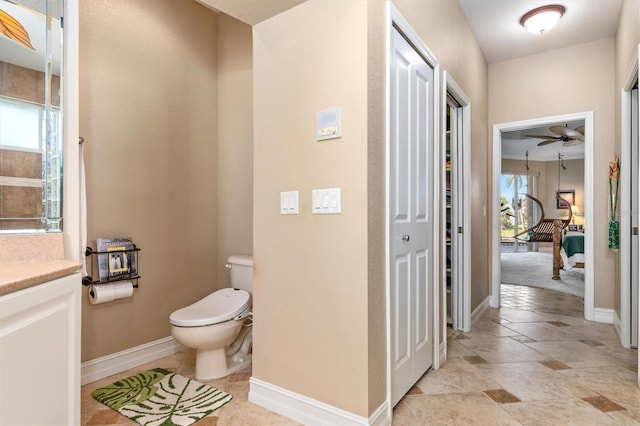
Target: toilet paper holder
x=116 y=264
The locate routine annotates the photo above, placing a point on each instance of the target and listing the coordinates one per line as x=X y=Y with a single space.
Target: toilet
x=218 y=326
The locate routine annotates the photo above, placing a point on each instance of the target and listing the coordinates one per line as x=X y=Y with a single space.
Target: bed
x=568 y=250
x=572 y=251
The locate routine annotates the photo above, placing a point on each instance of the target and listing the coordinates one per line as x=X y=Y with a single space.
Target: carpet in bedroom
x=536 y=269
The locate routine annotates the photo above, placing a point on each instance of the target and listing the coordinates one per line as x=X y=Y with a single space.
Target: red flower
x=614 y=167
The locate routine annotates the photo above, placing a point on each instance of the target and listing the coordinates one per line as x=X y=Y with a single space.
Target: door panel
x=402 y=166
x=423 y=128
x=402 y=299
x=411 y=222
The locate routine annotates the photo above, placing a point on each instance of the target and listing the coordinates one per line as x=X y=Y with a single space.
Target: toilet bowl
x=218 y=326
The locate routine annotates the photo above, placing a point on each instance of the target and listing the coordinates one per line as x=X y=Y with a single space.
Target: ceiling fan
x=566 y=135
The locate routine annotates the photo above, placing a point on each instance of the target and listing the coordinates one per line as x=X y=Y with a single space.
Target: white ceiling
x=496 y=25
x=516 y=144
x=250 y=11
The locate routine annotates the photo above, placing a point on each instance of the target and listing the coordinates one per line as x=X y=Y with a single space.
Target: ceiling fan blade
x=559 y=130
x=547 y=142
x=574 y=134
x=572 y=142
x=555 y=138
x=565 y=131
x=580 y=130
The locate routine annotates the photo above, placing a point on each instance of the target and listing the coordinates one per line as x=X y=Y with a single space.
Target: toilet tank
x=241 y=267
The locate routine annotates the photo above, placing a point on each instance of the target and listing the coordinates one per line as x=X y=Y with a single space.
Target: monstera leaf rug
x=160 y=397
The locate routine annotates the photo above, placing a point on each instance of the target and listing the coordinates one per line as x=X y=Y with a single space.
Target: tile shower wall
x=26 y=84
x=22 y=198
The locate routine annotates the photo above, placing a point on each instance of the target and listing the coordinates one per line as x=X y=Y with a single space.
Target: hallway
x=535 y=361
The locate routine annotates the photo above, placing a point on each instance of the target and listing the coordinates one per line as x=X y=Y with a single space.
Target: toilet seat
x=220 y=306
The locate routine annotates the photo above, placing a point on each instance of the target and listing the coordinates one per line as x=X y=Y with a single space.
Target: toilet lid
x=217 y=307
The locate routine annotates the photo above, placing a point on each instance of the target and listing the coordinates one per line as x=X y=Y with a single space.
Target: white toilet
x=217 y=326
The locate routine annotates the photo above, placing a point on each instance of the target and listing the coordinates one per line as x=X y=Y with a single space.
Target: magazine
x=114 y=260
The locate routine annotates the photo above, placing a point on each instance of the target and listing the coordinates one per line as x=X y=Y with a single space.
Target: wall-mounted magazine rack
x=118 y=263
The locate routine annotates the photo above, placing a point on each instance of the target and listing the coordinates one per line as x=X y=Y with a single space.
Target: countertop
x=18 y=276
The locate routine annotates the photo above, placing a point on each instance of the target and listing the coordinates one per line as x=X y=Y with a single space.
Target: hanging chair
x=542 y=231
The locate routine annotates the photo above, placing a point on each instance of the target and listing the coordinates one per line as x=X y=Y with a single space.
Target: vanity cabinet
x=40 y=354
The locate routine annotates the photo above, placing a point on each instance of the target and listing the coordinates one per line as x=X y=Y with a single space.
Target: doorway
x=630 y=208
x=635 y=221
x=538 y=166
x=498 y=131
x=456 y=218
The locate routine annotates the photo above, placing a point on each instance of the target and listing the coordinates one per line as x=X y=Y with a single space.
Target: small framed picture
x=565 y=198
x=573 y=228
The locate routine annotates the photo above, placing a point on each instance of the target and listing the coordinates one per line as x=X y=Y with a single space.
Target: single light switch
x=289 y=202
x=325 y=201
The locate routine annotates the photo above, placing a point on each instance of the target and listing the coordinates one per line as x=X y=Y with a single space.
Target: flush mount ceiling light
x=543 y=18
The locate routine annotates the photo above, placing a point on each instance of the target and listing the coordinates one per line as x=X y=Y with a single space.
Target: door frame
x=625 y=207
x=395 y=19
x=461 y=298
x=589 y=311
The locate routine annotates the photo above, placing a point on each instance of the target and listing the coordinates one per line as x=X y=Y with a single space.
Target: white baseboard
x=118 y=362
x=309 y=411
x=617 y=325
x=480 y=310
x=603 y=315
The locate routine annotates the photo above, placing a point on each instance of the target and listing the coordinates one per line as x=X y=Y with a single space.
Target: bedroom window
x=514 y=213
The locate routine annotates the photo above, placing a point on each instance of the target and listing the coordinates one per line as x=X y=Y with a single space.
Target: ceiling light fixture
x=543 y=18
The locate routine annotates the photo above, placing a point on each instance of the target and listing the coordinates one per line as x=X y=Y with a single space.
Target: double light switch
x=289 y=202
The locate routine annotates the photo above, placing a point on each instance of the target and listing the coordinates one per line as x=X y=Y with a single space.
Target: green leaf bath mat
x=161 y=397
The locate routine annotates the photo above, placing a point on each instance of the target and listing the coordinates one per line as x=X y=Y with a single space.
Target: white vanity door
x=40 y=354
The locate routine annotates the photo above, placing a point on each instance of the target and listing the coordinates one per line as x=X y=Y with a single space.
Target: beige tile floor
x=535 y=361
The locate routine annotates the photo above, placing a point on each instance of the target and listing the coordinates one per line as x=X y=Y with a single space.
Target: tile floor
x=535 y=361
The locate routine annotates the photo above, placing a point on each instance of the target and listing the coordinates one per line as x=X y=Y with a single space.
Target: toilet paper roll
x=103 y=293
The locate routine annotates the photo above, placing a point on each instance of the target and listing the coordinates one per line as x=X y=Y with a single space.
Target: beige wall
x=626 y=48
x=570 y=80
x=235 y=141
x=571 y=178
x=319 y=280
x=310 y=276
x=376 y=197
x=149 y=103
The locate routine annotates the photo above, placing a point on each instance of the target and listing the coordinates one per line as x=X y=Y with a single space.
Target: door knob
x=406 y=237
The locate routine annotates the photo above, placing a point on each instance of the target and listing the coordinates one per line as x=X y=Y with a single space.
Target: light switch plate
x=289 y=202
x=326 y=201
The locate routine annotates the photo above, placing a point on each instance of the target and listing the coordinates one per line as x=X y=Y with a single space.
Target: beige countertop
x=17 y=276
